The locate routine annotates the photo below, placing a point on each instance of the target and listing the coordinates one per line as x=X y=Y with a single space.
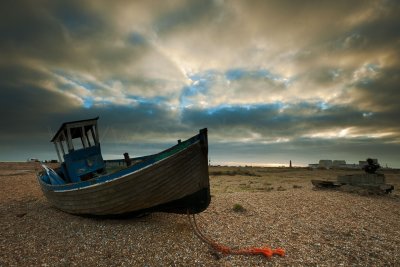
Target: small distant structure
x=313 y=166
x=372 y=166
x=351 y=166
x=325 y=164
x=290 y=164
x=370 y=182
x=363 y=163
x=339 y=164
x=32 y=160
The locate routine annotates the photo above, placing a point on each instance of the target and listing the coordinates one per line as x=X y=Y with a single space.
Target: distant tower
x=290 y=164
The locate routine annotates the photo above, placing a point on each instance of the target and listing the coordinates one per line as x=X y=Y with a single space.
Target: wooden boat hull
x=178 y=183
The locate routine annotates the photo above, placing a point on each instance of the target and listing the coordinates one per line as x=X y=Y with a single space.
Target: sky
x=272 y=81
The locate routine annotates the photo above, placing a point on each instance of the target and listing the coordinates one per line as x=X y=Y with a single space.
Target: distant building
x=328 y=164
x=351 y=166
x=313 y=166
x=339 y=164
x=325 y=163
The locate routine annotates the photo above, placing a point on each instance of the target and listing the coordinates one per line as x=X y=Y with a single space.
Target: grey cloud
x=379 y=33
x=295 y=120
x=378 y=93
x=24 y=104
x=48 y=31
x=303 y=151
x=147 y=52
x=183 y=16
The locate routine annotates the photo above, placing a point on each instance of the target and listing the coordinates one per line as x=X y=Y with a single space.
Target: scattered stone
x=316 y=228
x=238 y=208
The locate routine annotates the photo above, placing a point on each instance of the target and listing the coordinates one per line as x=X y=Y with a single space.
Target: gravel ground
x=315 y=227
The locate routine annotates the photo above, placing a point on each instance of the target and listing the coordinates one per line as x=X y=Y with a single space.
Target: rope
x=266 y=251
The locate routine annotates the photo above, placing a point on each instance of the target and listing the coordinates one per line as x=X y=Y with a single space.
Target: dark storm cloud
x=48 y=31
x=378 y=33
x=25 y=105
x=27 y=30
x=303 y=151
x=67 y=34
x=277 y=76
x=378 y=93
x=275 y=120
x=184 y=16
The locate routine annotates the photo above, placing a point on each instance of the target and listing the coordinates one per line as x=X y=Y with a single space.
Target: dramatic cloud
x=272 y=80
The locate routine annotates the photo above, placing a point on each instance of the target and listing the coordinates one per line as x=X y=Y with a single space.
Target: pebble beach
x=280 y=209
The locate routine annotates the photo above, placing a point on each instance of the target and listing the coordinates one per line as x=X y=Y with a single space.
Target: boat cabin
x=78 y=143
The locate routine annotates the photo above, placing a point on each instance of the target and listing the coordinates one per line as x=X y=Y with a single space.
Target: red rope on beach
x=266 y=251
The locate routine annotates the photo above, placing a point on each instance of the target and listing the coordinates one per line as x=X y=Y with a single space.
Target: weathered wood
x=361 y=179
x=324 y=184
x=58 y=152
x=372 y=183
x=181 y=178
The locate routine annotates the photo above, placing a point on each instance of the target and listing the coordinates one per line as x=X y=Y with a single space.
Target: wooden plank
x=178 y=176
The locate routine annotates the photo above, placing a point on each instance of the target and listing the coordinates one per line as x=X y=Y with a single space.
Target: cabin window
x=75 y=136
x=89 y=136
x=77 y=143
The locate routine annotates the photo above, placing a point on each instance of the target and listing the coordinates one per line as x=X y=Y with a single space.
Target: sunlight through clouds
x=283 y=75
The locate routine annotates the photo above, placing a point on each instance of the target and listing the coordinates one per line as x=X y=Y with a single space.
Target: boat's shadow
x=125 y=216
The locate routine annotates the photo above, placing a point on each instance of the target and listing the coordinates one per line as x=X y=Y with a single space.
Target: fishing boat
x=174 y=180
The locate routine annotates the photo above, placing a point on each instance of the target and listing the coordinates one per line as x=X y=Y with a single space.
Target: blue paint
x=82 y=162
x=149 y=160
x=51 y=176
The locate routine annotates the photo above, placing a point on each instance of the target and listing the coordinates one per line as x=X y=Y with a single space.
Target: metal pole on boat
x=128 y=160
